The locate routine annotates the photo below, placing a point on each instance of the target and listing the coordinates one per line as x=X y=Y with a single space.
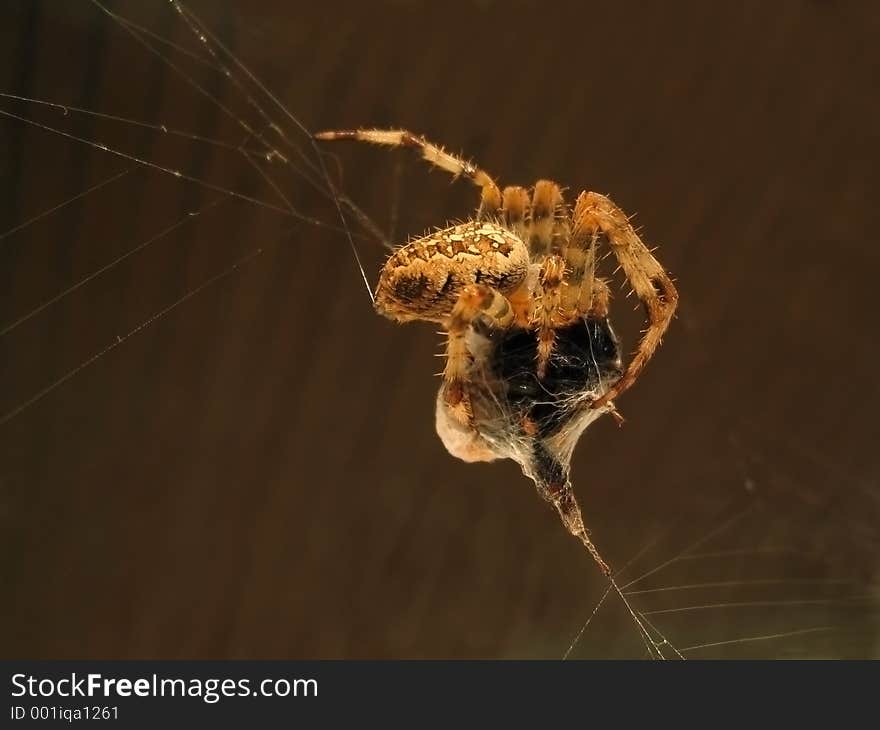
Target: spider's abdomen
x=423 y=279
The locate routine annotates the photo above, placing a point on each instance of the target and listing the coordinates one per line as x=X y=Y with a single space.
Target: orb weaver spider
x=531 y=358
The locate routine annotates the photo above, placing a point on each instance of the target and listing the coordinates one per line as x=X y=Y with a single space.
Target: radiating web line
x=163 y=128
x=5 y=418
x=53 y=209
x=202 y=33
x=765 y=637
x=580 y=633
x=103 y=269
x=721 y=528
x=169 y=171
x=760 y=604
x=737 y=583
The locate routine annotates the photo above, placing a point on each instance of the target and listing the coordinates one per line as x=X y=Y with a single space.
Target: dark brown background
x=256 y=473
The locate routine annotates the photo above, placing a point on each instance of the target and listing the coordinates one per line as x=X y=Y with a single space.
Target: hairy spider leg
x=595 y=213
x=490 y=196
x=546 y=309
x=550 y=227
x=516 y=210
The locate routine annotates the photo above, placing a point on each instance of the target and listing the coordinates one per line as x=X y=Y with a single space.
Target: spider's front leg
x=595 y=214
x=490 y=195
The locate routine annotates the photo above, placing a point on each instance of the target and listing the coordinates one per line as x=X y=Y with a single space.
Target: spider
x=531 y=358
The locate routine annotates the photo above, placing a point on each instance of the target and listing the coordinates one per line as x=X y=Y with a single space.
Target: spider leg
x=594 y=302
x=595 y=214
x=477 y=302
x=490 y=197
x=546 y=310
x=516 y=210
x=516 y=216
x=583 y=292
x=549 y=229
x=554 y=310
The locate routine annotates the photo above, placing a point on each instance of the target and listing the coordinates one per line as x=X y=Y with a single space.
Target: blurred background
x=211 y=447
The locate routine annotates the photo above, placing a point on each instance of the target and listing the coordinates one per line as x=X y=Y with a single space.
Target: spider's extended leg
x=596 y=214
x=490 y=198
x=476 y=302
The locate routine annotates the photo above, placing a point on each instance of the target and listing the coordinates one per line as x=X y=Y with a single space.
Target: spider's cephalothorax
x=531 y=358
